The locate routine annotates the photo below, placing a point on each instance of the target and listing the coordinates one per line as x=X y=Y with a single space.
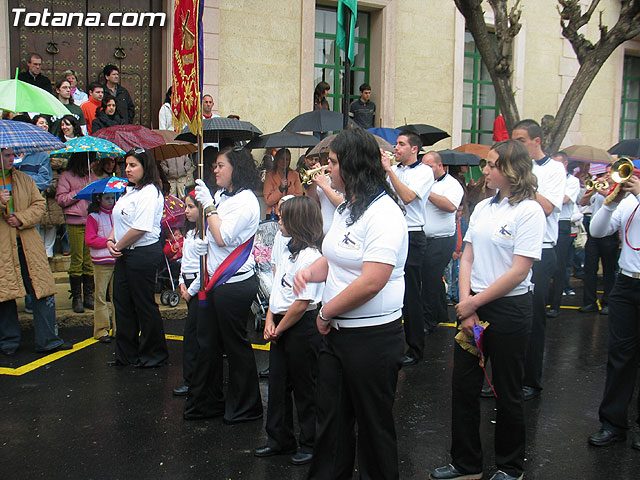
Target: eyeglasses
x=138 y=150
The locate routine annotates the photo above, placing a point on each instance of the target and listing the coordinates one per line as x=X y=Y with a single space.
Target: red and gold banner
x=187 y=65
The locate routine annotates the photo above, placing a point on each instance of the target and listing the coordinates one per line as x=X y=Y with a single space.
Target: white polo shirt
x=498 y=231
x=380 y=235
x=190 y=263
x=611 y=218
x=571 y=190
x=439 y=223
x=139 y=209
x=551 y=179
x=280 y=243
x=282 y=296
x=240 y=216
x=326 y=208
x=419 y=178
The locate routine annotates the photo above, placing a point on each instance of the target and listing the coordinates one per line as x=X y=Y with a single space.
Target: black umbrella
x=630 y=148
x=454 y=157
x=427 y=133
x=283 y=140
x=217 y=128
x=317 y=121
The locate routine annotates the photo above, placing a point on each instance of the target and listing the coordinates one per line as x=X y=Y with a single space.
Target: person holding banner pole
x=232 y=218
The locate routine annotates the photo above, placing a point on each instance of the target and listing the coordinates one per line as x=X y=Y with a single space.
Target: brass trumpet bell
x=307 y=176
x=622 y=170
x=592 y=183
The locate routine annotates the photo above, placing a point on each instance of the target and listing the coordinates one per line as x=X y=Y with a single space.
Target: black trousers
x=140 y=334
x=293 y=369
x=542 y=272
x=624 y=353
x=190 y=338
x=357 y=377
x=222 y=328
x=562 y=254
x=606 y=250
x=412 y=309
x=505 y=341
x=434 y=303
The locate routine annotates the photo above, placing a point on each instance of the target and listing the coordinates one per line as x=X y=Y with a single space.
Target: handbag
x=581 y=237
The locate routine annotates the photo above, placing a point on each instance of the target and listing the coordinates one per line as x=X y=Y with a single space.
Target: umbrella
x=389 y=134
x=174 y=213
x=475 y=148
x=104 y=185
x=283 y=140
x=172 y=148
x=128 y=137
x=19 y=96
x=325 y=143
x=215 y=129
x=586 y=153
x=629 y=148
x=317 y=121
x=427 y=133
x=102 y=148
x=25 y=137
x=454 y=157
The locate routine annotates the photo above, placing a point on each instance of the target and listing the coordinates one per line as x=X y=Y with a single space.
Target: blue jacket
x=38 y=167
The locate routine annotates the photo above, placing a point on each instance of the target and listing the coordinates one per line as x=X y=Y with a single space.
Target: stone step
x=60 y=263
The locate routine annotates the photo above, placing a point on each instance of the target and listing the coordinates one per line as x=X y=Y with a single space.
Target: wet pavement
x=74 y=417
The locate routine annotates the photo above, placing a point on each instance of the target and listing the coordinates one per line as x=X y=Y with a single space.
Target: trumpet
x=595 y=183
x=307 y=176
x=621 y=171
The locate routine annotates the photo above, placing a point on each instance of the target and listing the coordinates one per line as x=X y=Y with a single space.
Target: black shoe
x=9 y=352
x=264 y=373
x=529 y=393
x=268 y=451
x=606 y=437
x=116 y=363
x=500 y=475
x=181 y=391
x=192 y=413
x=301 y=458
x=105 y=339
x=62 y=346
x=604 y=310
x=591 y=307
x=552 y=313
x=486 y=392
x=449 y=472
x=409 y=360
x=235 y=421
x=635 y=437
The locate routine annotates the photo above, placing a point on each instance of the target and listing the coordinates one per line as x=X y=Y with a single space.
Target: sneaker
x=569 y=291
x=449 y=472
x=500 y=475
x=28 y=309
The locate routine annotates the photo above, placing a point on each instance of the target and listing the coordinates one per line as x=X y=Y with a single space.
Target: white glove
x=201 y=246
x=203 y=195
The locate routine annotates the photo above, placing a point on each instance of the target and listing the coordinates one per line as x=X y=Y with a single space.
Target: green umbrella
x=19 y=96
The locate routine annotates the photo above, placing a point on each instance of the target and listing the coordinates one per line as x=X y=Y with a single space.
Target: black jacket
x=39 y=81
x=124 y=105
x=103 y=120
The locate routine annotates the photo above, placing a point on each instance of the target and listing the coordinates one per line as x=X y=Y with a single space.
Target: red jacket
x=89 y=109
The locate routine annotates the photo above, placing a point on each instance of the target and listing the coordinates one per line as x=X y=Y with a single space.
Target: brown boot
x=76 y=293
x=88 y=288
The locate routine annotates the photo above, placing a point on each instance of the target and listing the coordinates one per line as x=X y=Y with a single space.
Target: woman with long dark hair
x=107 y=114
x=69 y=128
x=503 y=240
x=135 y=243
x=233 y=215
x=363 y=260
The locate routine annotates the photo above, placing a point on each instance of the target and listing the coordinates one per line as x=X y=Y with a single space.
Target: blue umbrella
x=389 y=134
x=104 y=185
x=25 y=137
x=102 y=148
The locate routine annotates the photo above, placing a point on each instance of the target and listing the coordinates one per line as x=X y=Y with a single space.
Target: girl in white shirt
x=503 y=240
x=290 y=326
x=189 y=272
x=363 y=265
x=135 y=243
x=232 y=221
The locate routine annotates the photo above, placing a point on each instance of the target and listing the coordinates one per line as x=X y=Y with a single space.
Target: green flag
x=342 y=32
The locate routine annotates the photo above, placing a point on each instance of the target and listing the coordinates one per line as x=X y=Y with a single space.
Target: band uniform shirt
x=282 y=295
x=610 y=219
x=571 y=190
x=439 y=223
x=141 y=210
x=190 y=263
x=551 y=177
x=498 y=231
x=419 y=178
x=380 y=235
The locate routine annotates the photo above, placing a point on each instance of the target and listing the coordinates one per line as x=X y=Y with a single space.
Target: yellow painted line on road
x=255 y=346
x=41 y=362
x=179 y=338
x=448 y=324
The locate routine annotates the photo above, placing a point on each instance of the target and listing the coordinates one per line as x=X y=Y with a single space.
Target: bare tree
x=497 y=56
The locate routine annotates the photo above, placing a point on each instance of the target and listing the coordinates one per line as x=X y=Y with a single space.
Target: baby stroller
x=167 y=277
x=262 y=245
